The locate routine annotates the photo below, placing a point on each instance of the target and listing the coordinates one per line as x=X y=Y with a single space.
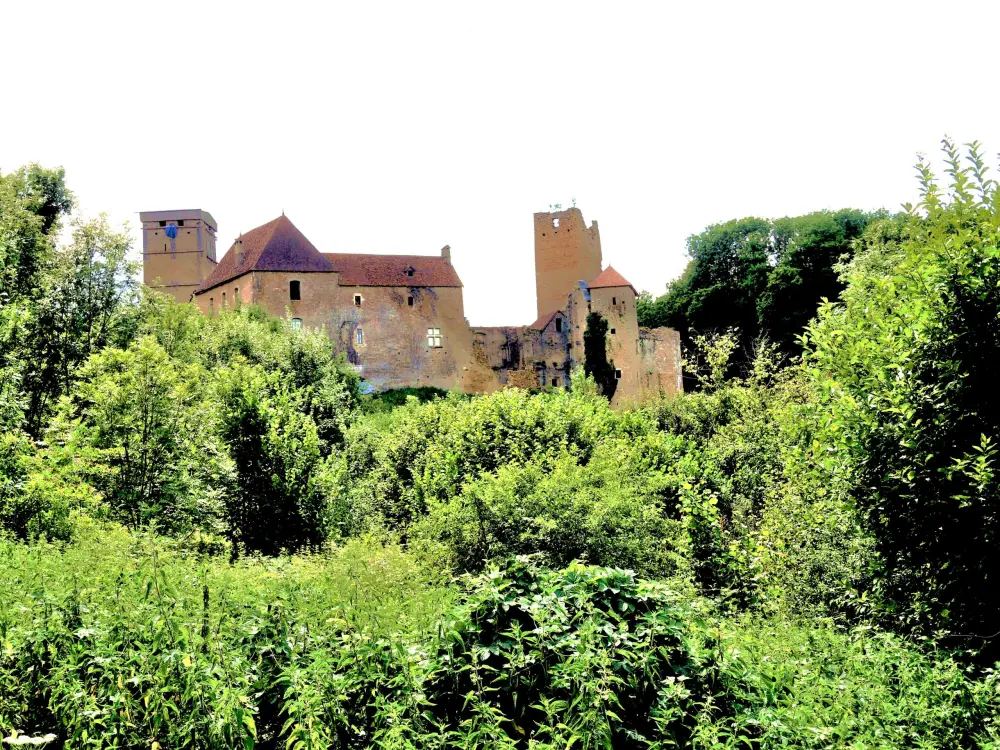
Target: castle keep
x=400 y=319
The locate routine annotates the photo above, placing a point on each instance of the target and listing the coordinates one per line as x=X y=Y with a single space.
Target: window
x=612 y=330
x=434 y=338
x=555 y=223
x=618 y=374
x=211 y=305
x=555 y=382
x=543 y=377
x=163 y=223
x=409 y=272
x=614 y=300
x=180 y=222
x=409 y=301
x=223 y=299
x=357 y=300
x=294 y=290
x=296 y=324
x=555 y=365
x=558 y=325
x=236 y=295
x=359 y=337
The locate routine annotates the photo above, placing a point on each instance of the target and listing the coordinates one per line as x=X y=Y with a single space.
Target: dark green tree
x=761 y=277
x=595 y=355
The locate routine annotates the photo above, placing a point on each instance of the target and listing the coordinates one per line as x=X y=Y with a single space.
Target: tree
x=762 y=277
x=905 y=414
x=278 y=497
x=87 y=302
x=595 y=355
x=145 y=426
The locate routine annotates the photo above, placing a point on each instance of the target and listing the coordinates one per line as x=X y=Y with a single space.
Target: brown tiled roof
x=391 y=270
x=543 y=321
x=609 y=277
x=275 y=246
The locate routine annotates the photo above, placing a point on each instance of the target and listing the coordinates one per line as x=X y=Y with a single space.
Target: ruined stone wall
x=507 y=351
x=564 y=255
x=660 y=363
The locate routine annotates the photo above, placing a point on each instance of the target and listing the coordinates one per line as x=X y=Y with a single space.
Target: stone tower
x=567 y=251
x=178 y=250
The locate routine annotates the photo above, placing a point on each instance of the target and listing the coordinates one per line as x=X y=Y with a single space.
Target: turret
x=566 y=252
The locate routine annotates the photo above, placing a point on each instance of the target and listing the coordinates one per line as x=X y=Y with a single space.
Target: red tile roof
x=609 y=277
x=391 y=270
x=544 y=320
x=275 y=246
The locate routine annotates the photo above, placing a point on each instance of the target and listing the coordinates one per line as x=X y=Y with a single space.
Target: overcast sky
x=401 y=127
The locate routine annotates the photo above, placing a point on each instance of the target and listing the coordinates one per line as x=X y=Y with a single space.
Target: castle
x=400 y=319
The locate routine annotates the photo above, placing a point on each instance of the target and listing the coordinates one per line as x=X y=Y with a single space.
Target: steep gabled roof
x=356 y=269
x=609 y=277
x=275 y=246
x=544 y=320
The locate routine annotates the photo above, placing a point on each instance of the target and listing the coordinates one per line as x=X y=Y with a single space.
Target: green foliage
x=595 y=355
x=385 y=401
x=761 y=277
x=145 y=427
x=905 y=414
x=278 y=495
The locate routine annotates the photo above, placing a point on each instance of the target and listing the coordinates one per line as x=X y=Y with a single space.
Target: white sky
x=401 y=127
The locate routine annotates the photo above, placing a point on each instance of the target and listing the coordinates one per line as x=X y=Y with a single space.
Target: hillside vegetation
x=211 y=540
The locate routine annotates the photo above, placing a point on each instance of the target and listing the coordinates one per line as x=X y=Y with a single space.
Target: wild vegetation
x=210 y=539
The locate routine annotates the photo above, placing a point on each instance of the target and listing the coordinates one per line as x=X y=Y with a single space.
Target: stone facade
x=400 y=319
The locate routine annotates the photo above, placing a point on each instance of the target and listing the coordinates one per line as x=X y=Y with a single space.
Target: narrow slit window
x=409 y=301
x=434 y=338
x=357 y=300
x=359 y=337
x=555 y=382
x=211 y=305
x=294 y=290
x=558 y=325
x=223 y=299
x=614 y=300
x=409 y=272
x=543 y=377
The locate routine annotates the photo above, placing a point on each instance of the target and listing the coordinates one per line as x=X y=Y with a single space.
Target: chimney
x=446 y=253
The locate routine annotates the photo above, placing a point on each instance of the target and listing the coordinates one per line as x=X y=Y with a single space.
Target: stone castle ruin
x=400 y=319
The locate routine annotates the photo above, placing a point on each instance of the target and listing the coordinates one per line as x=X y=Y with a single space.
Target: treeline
x=795 y=553
x=764 y=278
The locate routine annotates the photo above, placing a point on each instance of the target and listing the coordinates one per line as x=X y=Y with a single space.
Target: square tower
x=567 y=251
x=178 y=250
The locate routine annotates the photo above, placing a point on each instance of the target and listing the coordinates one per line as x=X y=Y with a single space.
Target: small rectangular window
x=357 y=300
x=294 y=290
x=409 y=301
x=558 y=325
x=359 y=337
x=409 y=272
x=434 y=338
x=296 y=324
x=612 y=330
x=555 y=382
x=618 y=374
x=180 y=222
x=614 y=300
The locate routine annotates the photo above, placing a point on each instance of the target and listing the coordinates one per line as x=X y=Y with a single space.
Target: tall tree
x=758 y=276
